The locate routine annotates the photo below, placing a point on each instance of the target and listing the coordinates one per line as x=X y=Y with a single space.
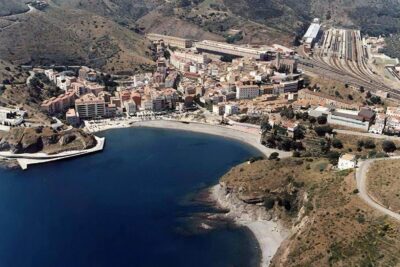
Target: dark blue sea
x=135 y=204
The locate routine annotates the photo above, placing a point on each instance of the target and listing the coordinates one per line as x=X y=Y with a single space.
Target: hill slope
x=9 y=7
x=71 y=36
x=108 y=34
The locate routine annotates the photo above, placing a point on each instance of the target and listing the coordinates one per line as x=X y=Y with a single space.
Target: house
x=347 y=161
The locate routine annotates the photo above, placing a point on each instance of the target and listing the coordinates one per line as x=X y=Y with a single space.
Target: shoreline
x=270 y=234
x=244 y=135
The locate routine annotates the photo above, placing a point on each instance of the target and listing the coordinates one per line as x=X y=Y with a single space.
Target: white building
x=51 y=74
x=231 y=109
x=379 y=126
x=130 y=107
x=348 y=118
x=347 y=161
x=219 y=109
x=11 y=117
x=247 y=91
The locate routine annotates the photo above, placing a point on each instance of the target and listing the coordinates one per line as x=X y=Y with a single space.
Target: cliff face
x=279 y=193
x=34 y=140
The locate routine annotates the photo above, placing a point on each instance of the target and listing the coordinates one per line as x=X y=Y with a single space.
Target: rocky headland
x=45 y=140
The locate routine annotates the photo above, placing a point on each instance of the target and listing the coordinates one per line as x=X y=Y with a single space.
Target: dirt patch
x=384 y=183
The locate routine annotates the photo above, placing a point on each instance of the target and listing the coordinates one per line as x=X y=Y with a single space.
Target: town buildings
x=170 y=40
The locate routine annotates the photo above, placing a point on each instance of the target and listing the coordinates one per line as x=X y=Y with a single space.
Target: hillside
x=109 y=34
x=9 y=7
x=331 y=226
x=71 y=36
x=10 y=73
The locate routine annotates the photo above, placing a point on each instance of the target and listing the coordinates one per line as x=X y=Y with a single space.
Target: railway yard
x=342 y=55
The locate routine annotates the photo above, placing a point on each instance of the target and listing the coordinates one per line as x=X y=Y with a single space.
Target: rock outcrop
x=44 y=139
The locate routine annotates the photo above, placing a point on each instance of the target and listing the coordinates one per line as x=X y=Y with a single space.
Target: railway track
x=342 y=54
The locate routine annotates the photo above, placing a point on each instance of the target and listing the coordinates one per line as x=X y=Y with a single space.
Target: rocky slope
x=330 y=225
x=34 y=140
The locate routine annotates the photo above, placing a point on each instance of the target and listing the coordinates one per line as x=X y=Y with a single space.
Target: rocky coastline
x=45 y=140
x=265 y=226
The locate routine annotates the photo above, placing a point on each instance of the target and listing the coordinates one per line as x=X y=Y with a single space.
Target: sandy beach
x=269 y=233
x=240 y=133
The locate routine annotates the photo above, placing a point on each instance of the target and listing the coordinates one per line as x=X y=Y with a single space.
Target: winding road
x=361 y=176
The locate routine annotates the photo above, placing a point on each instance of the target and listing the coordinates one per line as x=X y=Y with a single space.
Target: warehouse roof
x=312 y=31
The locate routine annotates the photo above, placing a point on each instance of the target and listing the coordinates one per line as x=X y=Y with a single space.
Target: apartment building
x=286 y=87
x=247 y=91
x=82 y=87
x=60 y=103
x=90 y=106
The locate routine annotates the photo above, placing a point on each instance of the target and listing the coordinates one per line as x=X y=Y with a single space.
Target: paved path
x=361 y=176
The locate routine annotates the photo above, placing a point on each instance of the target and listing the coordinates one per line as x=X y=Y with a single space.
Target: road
x=361 y=176
x=31 y=75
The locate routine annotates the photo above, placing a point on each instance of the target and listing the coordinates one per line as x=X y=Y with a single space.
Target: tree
x=286 y=144
x=369 y=144
x=288 y=113
x=298 y=133
x=368 y=94
x=362 y=90
x=322 y=119
x=271 y=142
x=265 y=125
x=360 y=144
x=273 y=156
x=336 y=143
x=388 y=146
x=312 y=120
x=324 y=146
x=322 y=130
x=305 y=116
x=375 y=100
x=333 y=157
x=296 y=154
